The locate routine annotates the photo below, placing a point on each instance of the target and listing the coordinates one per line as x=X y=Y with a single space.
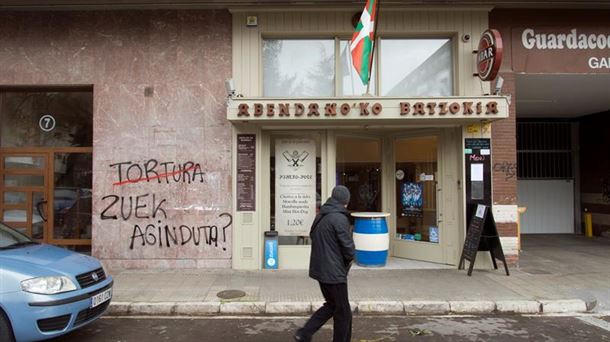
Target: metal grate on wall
x=544 y=150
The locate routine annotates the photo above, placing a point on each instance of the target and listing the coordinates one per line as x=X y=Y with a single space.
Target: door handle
x=40 y=211
x=439 y=214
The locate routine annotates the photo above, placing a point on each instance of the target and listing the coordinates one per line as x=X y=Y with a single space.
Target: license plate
x=101 y=298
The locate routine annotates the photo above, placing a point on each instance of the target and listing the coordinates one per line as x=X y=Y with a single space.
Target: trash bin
x=371 y=239
x=271 y=259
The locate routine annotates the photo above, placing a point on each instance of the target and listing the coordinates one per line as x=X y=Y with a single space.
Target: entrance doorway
x=46 y=164
x=416 y=211
x=401 y=173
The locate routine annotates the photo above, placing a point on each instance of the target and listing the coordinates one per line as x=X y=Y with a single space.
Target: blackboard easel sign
x=482 y=235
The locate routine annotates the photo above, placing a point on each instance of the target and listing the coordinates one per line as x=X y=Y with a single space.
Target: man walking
x=332 y=253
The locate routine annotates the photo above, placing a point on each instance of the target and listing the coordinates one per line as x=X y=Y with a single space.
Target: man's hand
x=348 y=265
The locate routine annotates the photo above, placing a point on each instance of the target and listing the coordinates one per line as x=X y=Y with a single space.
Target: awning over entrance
x=368 y=110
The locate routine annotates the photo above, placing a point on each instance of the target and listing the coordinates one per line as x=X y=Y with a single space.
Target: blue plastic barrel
x=371 y=239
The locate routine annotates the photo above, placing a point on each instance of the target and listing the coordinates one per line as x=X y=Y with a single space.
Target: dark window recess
x=90 y=313
x=68 y=112
x=544 y=150
x=86 y=279
x=54 y=324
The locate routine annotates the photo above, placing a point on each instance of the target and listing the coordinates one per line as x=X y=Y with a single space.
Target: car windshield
x=10 y=238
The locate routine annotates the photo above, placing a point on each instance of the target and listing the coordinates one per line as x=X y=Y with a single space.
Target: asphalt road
x=369 y=329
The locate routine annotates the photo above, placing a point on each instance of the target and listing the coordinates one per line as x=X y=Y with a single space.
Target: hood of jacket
x=333 y=206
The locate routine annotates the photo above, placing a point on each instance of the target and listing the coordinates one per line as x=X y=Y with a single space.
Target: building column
x=504 y=173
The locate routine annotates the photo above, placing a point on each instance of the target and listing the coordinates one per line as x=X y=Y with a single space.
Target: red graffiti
x=168 y=174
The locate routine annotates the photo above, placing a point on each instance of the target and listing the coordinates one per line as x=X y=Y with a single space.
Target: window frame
x=378 y=74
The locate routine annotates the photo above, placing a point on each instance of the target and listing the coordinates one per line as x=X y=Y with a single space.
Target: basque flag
x=363 y=39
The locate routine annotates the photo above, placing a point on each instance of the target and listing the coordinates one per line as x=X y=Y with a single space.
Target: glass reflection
x=359 y=169
x=416 y=67
x=38 y=215
x=23 y=180
x=72 y=196
x=14 y=197
x=22 y=111
x=351 y=85
x=15 y=215
x=24 y=162
x=298 y=67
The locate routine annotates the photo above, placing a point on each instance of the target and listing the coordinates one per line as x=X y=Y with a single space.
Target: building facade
x=140 y=141
x=117 y=131
x=410 y=145
x=560 y=73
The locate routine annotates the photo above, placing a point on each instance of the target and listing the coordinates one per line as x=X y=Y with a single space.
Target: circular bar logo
x=489 y=55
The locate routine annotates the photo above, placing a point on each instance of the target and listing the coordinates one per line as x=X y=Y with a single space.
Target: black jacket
x=332 y=246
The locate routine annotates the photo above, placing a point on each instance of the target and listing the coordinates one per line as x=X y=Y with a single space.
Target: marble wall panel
x=158 y=84
x=165 y=29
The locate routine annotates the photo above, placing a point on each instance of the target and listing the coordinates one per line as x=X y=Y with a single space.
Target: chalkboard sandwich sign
x=482 y=235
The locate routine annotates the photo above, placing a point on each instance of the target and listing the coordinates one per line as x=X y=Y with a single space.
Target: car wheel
x=6 y=332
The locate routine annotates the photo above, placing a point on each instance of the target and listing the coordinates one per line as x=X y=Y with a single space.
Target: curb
x=410 y=308
x=426 y=307
x=563 y=306
x=472 y=307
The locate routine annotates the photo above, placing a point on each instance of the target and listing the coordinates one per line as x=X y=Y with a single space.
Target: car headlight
x=48 y=285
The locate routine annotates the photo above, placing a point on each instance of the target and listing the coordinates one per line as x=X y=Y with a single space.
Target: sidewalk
x=552 y=279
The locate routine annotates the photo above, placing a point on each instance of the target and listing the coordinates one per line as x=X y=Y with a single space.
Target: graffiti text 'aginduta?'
x=165 y=235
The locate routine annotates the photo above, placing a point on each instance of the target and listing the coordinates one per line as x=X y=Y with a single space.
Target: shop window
x=416 y=178
x=296 y=186
x=306 y=68
x=32 y=118
x=416 y=67
x=349 y=82
x=298 y=67
x=359 y=169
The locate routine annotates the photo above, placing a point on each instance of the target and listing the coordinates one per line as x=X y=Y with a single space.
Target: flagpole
x=372 y=59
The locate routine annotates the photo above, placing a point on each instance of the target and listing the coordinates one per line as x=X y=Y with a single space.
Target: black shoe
x=299 y=337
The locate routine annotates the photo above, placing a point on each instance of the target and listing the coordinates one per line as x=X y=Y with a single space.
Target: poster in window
x=295 y=186
x=412 y=199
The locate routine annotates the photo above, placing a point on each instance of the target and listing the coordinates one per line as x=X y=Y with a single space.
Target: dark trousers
x=337 y=307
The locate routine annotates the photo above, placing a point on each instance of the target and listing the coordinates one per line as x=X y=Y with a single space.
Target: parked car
x=47 y=291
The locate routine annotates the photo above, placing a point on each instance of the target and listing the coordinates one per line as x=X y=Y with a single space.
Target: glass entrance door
x=46 y=139
x=35 y=180
x=416 y=198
